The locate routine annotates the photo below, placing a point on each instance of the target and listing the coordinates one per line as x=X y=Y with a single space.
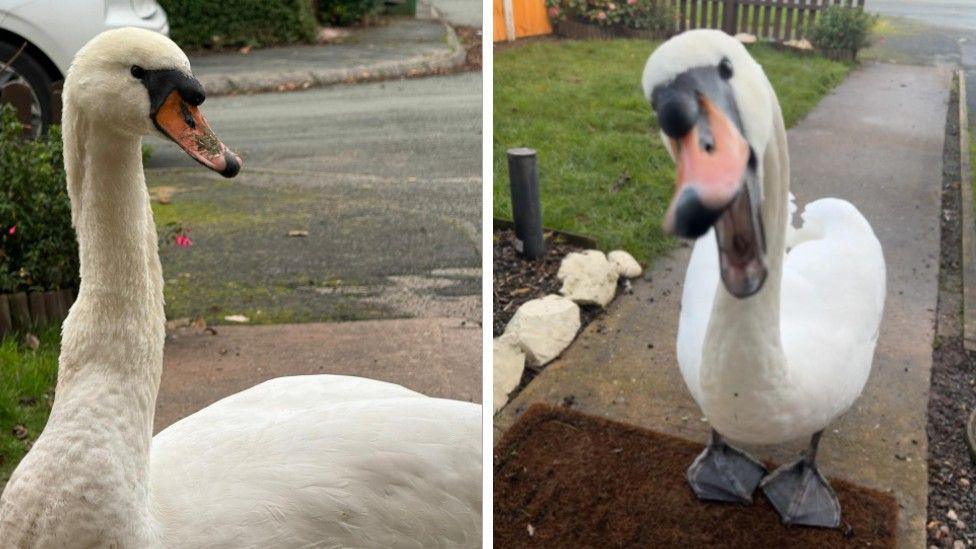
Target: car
x=39 y=38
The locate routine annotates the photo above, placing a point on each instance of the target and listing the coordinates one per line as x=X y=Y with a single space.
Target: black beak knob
x=677 y=112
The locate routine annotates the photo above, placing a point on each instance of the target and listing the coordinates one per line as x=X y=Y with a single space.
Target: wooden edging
x=584 y=242
x=22 y=312
x=968 y=223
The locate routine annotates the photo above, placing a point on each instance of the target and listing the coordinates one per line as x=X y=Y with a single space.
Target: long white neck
x=743 y=338
x=118 y=328
x=93 y=456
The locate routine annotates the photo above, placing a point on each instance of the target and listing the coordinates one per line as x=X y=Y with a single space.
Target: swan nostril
x=677 y=113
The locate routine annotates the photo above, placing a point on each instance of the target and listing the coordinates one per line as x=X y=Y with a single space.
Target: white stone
x=803 y=44
x=626 y=265
x=508 y=363
x=545 y=327
x=746 y=38
x=588 y=278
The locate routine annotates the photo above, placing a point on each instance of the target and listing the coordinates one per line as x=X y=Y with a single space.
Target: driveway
x=385 y=178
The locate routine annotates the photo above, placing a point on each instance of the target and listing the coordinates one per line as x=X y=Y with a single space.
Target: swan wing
x=832 y=304
x=321 y=461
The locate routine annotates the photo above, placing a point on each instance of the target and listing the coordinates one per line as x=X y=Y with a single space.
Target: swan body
x=778 y=324
x=833 y=290
x=306 y=461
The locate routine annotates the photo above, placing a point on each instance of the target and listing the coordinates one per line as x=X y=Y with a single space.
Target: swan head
x=137 y=82
x=714 y=106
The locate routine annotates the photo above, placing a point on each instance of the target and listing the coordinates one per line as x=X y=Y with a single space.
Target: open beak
x=717 y=184
x=186 y=126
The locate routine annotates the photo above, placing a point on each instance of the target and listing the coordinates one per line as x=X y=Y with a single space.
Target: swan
x=304 y=461
x=778 y=325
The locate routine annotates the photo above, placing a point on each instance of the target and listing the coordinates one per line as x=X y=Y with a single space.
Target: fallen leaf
x=19 y=432
x=297 y=232
x=237 y=318
x=198 y=323
x=245 y=50
x=32 y=342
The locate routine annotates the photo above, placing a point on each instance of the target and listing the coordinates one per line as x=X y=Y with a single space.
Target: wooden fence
x=777 y=20
x=774 y=20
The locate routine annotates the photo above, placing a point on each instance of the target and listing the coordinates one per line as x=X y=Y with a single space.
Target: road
x=940 y=13
x=386 y=179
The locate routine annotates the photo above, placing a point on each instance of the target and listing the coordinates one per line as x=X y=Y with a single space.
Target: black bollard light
x=523 y=178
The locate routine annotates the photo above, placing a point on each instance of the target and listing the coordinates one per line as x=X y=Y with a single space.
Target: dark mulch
x=953 y=392
x=518 y=280
x=565 y=479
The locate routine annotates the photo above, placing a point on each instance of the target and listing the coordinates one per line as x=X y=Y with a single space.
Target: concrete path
x=876 y=141
x=927 y=32
x=402 y=47
x=386 y=179
x=437 y=357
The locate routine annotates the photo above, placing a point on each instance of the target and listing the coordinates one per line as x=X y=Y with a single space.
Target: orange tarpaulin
x=529 y=17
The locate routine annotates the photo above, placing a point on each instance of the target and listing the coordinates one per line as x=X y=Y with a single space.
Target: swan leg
x=724 y=473
x=801 y=494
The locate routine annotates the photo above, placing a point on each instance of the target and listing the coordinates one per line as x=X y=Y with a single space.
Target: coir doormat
x=565 y=479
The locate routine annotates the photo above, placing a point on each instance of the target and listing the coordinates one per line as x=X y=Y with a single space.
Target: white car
x=53 y=31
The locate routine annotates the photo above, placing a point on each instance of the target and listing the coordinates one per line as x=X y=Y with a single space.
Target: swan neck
x=753 y=324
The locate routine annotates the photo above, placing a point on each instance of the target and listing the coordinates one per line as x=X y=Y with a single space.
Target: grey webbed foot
x=801 y=494
x=724 y=473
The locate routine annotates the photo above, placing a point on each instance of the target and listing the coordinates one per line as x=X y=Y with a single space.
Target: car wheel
x=26 y=71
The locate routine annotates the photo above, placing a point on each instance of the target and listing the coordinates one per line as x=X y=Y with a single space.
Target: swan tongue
x=711 y=163
x=741 y=252
x=186 y=126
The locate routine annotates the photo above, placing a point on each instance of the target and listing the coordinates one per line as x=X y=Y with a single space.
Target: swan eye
x=725 y=69
x=138 y=71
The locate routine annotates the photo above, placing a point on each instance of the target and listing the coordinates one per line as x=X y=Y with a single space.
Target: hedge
x=348 y=12
x=230 y=23
x=38 y=250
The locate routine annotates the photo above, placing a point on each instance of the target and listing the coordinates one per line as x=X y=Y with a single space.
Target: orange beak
x=186 y=126
x=709 y=175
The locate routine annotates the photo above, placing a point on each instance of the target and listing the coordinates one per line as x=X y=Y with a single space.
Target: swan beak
x=185 y=125
x=717 y=186
x=712 y=158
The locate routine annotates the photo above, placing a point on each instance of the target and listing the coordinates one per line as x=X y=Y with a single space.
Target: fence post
x=523 y=178
x=729 y=17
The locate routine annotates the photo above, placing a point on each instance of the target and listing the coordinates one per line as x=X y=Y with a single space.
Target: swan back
x=321 y=461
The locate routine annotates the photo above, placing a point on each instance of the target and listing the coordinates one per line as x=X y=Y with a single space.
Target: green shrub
x=347 y=12
x=231 y=23
x=841 y=32
x=38 y=249
x=633 y=14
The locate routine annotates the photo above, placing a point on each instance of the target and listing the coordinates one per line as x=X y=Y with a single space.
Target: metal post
x=523 y=177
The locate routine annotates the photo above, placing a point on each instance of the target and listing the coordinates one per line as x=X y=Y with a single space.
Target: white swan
x=778 y=327
x=308 y=461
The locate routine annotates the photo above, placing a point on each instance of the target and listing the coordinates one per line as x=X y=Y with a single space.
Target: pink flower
x=554 y=11
x=183 y=241
x=12 y=230
x=601 y=16
x=631 y=2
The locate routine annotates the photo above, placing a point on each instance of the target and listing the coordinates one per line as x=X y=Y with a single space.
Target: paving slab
x=400 y=47
x=439 y=357
x=877 y=141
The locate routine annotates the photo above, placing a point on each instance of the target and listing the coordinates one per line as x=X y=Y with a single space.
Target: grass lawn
x=26 y=394
x=602 y=168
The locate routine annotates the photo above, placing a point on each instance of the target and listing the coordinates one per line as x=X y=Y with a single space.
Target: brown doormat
x=566 y=479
